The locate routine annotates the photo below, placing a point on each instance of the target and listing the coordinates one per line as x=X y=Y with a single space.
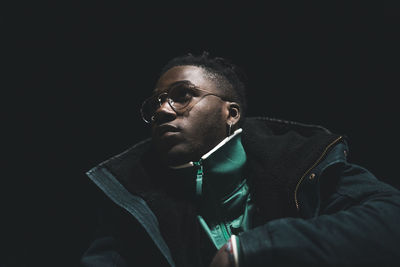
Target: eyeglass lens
x=178 y=97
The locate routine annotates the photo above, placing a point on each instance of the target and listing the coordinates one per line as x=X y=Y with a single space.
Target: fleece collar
x=278 y=153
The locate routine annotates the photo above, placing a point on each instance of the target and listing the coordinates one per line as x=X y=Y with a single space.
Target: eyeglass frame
x=168 y=100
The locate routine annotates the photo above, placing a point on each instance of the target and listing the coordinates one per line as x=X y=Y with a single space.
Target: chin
x=178 y=155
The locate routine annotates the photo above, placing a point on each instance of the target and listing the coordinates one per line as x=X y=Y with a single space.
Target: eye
x=181 y=94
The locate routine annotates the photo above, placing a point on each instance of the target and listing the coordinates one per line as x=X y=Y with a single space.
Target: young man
x=213 y=188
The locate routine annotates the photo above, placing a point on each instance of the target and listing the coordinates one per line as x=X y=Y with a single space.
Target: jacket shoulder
x=275 y=126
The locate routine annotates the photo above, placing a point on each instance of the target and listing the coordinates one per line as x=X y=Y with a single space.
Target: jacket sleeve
x=358 y=223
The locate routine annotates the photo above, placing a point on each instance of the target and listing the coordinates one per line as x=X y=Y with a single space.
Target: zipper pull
x=199 y=177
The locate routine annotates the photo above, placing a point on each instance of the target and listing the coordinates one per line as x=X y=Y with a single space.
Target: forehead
x=196 y=75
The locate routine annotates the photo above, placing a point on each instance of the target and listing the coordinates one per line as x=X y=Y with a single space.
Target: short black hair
x=231 y=79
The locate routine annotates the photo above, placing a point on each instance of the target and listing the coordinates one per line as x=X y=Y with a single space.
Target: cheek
x=205 y=123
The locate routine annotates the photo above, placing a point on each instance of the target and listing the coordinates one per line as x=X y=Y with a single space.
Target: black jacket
x=314 y=206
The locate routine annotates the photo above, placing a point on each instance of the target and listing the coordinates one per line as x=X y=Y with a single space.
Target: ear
x=233 y=113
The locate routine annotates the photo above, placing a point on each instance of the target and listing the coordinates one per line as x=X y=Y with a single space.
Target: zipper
x=199 y=178
x=312 y=166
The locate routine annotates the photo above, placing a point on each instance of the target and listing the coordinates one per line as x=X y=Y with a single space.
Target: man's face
x=184 y=137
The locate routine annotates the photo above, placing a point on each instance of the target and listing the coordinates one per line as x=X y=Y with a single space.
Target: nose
x=164 y=113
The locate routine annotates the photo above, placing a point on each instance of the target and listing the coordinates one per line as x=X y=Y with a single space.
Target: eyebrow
x=176 y=83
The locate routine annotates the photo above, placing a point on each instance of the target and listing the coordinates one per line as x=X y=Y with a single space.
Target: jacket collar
x=278 y=154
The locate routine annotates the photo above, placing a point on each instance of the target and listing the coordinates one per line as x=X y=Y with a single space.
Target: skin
x=221 y=258
x=198 y=129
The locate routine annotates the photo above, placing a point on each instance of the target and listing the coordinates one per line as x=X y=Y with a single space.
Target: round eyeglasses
x=181 y=97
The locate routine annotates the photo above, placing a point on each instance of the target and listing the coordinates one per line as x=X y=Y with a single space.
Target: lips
x=165 y=129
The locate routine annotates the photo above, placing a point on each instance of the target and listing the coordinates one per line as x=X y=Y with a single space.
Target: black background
x=76 y=75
